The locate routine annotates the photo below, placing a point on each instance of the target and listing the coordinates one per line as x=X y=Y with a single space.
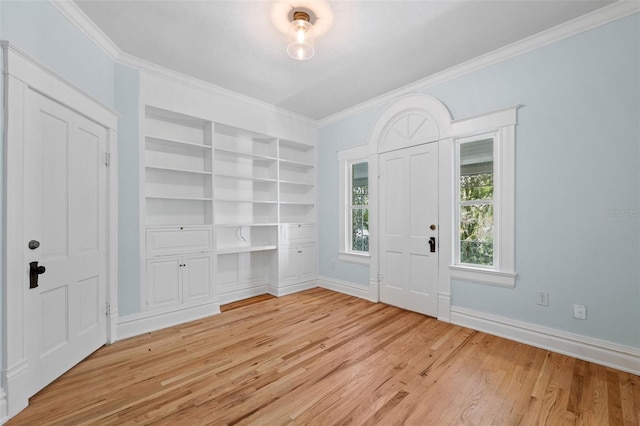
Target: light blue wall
x=126 y=103
x=331 y=138
x=37 y=28
x=577 y=162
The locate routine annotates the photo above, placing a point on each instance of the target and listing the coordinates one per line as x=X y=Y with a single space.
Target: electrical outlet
x=543 y=298
x=580 y=312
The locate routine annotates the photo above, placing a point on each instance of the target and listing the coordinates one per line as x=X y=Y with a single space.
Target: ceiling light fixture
x=300 y=37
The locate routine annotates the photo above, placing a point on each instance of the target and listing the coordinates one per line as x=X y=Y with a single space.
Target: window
x=484 y=199
x=475 y=203
x=354 y=205
x=359 y=223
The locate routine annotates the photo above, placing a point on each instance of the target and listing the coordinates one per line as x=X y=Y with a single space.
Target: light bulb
x=300 y=45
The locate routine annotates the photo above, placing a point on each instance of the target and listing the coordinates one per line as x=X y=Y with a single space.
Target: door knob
x=34 y=244
x=34 y=271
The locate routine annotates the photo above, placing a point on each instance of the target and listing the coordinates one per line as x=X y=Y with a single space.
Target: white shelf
x=257 y=179
x=175 y=170
x=289 y=182
x=299 y=164
x=297 y=203
x=235 y=225
x=176 y=143
x=233 y=200
x=245 y=249
x=246 y=154
x=164 y=197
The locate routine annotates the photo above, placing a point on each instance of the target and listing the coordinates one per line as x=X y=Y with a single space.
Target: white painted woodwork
x=408 y=206
x=64 y=209
x=23 y=74
x=164 y=282
x=179 y=210
x=179 y=239
x=297 y=233
x=297 y=263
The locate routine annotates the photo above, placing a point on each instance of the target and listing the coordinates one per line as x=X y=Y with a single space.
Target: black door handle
x=432 y=244
x=34 y=271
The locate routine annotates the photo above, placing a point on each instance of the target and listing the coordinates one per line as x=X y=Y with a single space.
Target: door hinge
x=107 y=309
x=380 y=277
x=106 y=159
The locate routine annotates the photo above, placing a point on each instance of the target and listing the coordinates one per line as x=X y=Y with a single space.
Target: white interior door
x=65 y=211
x=408 y=211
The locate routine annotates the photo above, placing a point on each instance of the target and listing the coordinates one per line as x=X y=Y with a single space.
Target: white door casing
x=64 y=210
x=408 y=211
x=23 y=74
x=413 y=120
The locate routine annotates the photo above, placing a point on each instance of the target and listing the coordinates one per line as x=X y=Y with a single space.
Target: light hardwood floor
x=324 y=358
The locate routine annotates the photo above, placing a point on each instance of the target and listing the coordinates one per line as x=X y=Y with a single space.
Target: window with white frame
x=359 y=207
x=484 y=199
x=354 y=205
x=475 y=202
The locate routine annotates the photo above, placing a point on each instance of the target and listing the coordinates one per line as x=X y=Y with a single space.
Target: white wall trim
x=80 y=20
x=136 y=324
x=280 y=290
x=605 y=15
x=352 y=289
x=21 y=74
x=3 y=406
x=241 y=294
x=601 y=352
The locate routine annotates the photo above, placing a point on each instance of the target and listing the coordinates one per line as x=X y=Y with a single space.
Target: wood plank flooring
x=324 y=358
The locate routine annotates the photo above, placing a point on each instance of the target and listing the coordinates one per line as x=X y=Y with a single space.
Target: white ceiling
x=363 y=48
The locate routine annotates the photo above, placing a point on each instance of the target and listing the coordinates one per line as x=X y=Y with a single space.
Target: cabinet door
x=163 y=282
x=197 y=277
x=288 y=263
x=307 y=261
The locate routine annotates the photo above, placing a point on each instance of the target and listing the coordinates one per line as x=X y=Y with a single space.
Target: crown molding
x=70 y=10
x=160 y=71
x=599 y=17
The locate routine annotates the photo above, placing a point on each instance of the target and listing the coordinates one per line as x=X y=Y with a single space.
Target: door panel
x=64 y=204
x=408 y=206
x=164 y=282
x=197 y=277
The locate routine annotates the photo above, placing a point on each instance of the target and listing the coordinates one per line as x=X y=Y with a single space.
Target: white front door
x=64 y=212
x=408 y=212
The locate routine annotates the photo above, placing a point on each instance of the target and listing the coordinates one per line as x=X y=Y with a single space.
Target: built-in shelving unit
x=244 y=199
x=246 y=210
x=296 y=182
x=178 y=193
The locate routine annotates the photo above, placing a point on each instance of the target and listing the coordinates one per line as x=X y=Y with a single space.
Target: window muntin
x=475 y=203
x=359 y=207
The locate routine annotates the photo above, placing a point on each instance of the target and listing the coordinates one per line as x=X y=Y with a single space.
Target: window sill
x=360 y=259
x=483 y=276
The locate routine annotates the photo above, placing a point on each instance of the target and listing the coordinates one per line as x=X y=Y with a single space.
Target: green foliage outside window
x=476 y=214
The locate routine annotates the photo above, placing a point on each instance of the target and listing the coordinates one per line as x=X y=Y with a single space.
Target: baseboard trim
x=134 y=325
x=279 y=290
x=4 y=415
x=598 y=351
x=245 y=293
x=352 y=289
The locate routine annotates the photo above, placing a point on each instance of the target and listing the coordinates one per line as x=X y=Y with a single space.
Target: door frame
x=436 y=128
x=22 y=73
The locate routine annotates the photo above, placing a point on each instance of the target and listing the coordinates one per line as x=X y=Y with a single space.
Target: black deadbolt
x=33 y=244
x=34 y=271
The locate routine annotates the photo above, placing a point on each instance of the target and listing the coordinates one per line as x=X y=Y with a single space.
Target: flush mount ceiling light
x=300 y=45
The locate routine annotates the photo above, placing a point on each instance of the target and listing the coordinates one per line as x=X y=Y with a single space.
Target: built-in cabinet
x=178 y=194
x=224 y=205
